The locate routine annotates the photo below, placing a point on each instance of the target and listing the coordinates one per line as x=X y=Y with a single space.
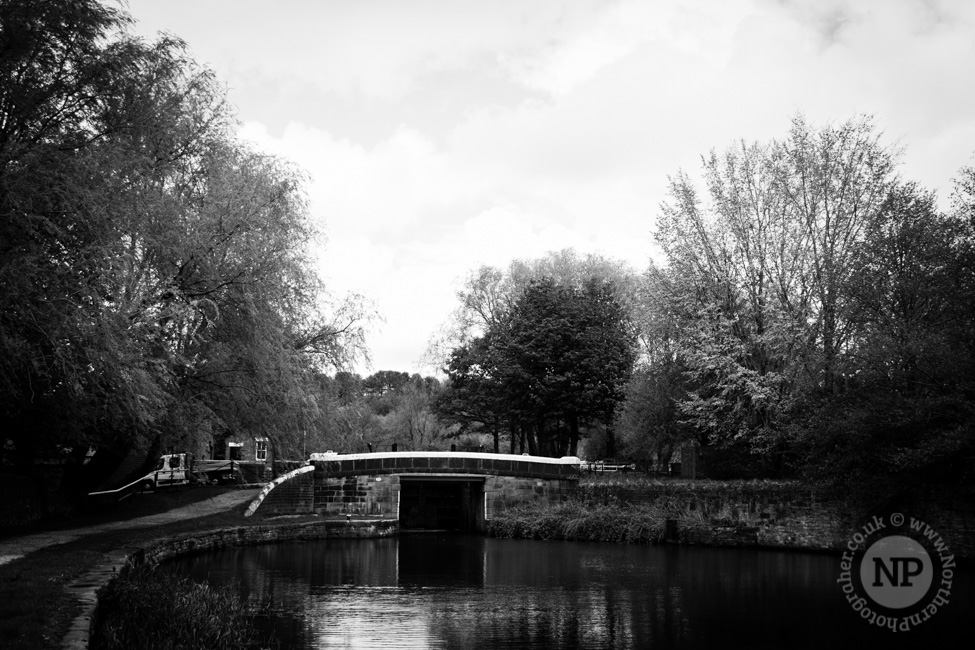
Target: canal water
x=438 y=590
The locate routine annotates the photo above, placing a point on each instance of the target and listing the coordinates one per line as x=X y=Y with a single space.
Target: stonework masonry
x=370 y=495
x=295 y=496
x=501 y=492
x=787 y=515
x=378 y=495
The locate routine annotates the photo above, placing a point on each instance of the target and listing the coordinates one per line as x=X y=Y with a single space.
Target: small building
x=253 y=452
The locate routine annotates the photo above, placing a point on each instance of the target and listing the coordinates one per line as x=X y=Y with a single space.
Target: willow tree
x=156 y=279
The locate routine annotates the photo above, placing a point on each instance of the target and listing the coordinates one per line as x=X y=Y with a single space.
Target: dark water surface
x=437 y=590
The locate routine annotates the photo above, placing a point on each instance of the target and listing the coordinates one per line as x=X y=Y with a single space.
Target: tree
x=759 y=273
x=734 y=289
x=155 y=277
x=556 y=364
x=56 y=70
x=413 y=420
x=902 y=295
x=650 y=425
x=385 y=382
x=489 y=294
x=834 y=181
x=906 y=417
x=72 y=372
x=816 y=304
x=473 y=398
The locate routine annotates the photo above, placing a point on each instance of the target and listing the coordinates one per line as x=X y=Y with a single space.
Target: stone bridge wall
x=371 y=495
x=501 y=492
x=369 y=484
x=444 y=462
x=295 y=496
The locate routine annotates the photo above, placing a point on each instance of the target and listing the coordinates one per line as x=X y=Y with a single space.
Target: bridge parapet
x=446 y=462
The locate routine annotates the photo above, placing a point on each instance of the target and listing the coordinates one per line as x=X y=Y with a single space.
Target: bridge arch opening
x=441 y=503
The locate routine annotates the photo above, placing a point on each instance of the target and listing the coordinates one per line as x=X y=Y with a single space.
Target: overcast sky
x=443 y=135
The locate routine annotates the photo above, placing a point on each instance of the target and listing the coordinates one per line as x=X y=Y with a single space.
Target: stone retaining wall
x=212 y=540
x=503 y=491
x=785 y=514
x=293 y=496
x=776 y=515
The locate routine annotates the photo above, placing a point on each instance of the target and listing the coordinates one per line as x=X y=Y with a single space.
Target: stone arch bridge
x=443 y=490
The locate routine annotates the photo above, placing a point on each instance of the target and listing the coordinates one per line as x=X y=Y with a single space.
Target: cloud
x=441 y=135
x=380 y=190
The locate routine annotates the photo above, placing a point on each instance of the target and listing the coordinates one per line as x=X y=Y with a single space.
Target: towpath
x=17 y=547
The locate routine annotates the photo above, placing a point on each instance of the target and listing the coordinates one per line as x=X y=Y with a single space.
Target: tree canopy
x=155 y=277
x=555 y=363
x=817 y=303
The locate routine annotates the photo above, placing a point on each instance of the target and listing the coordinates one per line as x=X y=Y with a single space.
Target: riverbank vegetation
x=630 y=509
x=575 y=520
x=149 y=609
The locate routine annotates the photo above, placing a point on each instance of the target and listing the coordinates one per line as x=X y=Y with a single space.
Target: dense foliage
x=550 y=366
x=155 y=282
x=820 y=309
x=384 y=409
x=815 y=316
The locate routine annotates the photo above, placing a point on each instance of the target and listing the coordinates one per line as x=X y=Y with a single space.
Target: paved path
x=17 y=547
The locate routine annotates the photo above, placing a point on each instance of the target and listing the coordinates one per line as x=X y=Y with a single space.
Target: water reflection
x=454 y=591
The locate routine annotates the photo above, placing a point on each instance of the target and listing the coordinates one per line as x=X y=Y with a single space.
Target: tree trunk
x=573 y=434
x=531 y=437
x=610 y=441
